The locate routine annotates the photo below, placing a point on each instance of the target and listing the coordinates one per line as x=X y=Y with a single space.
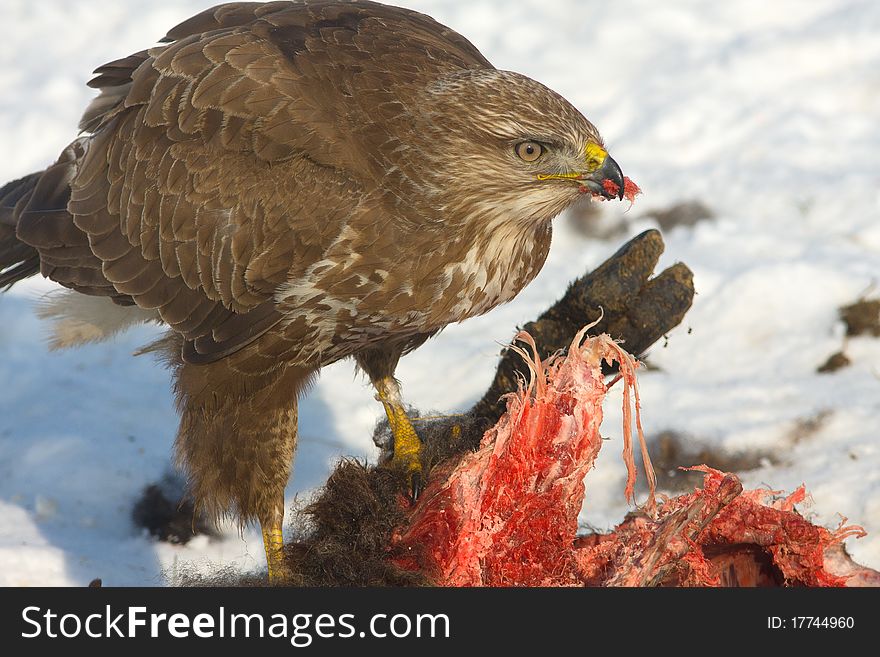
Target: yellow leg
x=407 y=446
x=273 y=541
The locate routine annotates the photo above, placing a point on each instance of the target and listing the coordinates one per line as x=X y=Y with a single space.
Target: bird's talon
x=416 y=485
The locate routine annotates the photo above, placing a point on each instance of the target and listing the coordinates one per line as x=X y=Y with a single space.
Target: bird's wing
x=231 y=159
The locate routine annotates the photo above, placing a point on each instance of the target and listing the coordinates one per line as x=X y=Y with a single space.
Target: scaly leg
x=273 y=541
x=407 y=445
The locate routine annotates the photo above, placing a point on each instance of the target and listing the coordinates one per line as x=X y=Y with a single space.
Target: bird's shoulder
x=304 y=76
x=381 y=33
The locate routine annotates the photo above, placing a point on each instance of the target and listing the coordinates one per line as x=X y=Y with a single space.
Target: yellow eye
x=529 y=151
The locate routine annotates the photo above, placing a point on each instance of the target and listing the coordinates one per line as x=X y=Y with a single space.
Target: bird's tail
x=17 y=259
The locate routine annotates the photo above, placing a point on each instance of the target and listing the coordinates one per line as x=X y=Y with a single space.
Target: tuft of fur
x=343 y=536
x=167 y=514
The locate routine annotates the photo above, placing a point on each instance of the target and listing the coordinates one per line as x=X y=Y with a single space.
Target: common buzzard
x=287 y=184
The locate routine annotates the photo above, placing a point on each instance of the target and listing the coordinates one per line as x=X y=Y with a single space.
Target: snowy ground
x=769 y=113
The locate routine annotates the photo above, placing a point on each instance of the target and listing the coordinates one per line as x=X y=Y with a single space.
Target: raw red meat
x=721 y=535
x=630 y=189
x=506 y=515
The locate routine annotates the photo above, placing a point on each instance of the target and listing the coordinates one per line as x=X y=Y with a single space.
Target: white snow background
x=767 y=112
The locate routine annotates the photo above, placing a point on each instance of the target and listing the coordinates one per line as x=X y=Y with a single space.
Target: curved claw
x=416 y=485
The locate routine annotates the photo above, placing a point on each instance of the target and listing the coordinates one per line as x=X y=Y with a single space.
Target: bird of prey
x=284 y=185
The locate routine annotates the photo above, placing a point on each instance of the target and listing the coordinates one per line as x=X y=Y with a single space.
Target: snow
x=766 y=112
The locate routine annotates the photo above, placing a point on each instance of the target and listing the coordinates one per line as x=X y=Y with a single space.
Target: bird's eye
x=529 y=151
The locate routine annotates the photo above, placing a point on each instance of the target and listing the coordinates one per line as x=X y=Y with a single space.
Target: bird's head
x=501 y=144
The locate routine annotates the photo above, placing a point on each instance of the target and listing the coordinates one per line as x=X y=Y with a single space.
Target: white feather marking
x=78 y=318
x=499 y=284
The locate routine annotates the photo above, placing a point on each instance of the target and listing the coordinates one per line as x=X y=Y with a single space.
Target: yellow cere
x=594 y=155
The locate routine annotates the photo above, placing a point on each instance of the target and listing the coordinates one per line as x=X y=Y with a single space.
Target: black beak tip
x=610 y=177
x=615 y=174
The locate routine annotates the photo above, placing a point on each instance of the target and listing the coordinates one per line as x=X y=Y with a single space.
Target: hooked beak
x=607 y=180
x=601 y=175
